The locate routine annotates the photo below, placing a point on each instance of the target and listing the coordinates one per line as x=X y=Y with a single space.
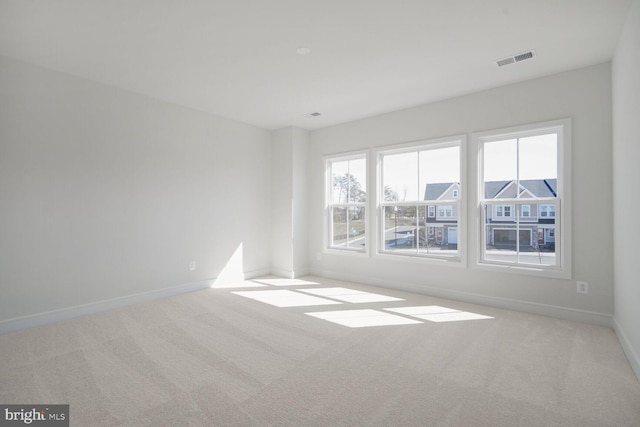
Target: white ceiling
x=237 y=58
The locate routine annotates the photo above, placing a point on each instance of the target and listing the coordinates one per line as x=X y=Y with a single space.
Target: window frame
x=328 y=246
x=379 y=204
x=562 y=201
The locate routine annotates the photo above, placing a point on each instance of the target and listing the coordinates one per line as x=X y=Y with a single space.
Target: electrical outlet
x=582 y=287
x=192 y=266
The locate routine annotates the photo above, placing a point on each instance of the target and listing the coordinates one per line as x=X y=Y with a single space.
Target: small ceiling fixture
x=314 y=114
x=516 y=58
x=303 y=51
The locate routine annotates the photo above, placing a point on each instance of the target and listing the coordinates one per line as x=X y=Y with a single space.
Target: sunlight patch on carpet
x=242 y=284
x=286 y=282
x=285 y=298
x=349 y=295
x=362 y=318
x=435 y=313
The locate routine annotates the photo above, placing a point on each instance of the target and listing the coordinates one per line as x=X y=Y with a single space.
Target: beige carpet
x=219 y=358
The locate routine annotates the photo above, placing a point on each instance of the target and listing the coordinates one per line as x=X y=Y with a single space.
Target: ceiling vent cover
x=516 y=58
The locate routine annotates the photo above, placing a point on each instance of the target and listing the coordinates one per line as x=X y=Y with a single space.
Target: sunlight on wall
x=233 y=271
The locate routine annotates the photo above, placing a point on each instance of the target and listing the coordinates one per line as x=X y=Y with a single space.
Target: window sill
x=529 y=270
x=421 y=259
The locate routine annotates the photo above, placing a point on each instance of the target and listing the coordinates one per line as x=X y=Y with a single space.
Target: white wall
x=626 y=182
x=300 y=202
x=106 y=194
x=583 y=95
x=282 y=204
x=289 y=234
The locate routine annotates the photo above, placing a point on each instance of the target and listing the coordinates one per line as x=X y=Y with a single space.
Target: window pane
x=440 y=169
x=339 y=170
x=538 y=157
x=348 y=227
x=349 y=180
x=438 y=237
x=339 y=227
x=518 y=240
x=400 y=227
x=358 y=181
x=500 y=168
x=400 y=175
x=500 y=236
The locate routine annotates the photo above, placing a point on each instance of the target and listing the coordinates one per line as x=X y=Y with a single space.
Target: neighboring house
x=537 y=220
x=442 y=219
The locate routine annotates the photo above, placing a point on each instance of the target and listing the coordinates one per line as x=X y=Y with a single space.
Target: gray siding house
x=536 y=219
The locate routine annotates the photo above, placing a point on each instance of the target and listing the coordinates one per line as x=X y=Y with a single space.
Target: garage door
x=507 y=237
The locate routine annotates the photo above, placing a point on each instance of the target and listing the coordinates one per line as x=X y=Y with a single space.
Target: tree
x=349 y=189
x=389 y=194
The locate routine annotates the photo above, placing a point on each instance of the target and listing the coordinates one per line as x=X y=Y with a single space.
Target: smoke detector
x=516 y=58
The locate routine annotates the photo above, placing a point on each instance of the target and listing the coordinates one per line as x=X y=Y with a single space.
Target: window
x=547 y=211
x=419 y=200
x=346 y=195
x=445 y=212
x=502 y=211
x=517 y=168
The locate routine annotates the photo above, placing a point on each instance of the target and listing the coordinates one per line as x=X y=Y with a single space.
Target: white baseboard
x=256 y=273
x=281 y=272
x=632 y=355
x=564 y=313
x=39 y=319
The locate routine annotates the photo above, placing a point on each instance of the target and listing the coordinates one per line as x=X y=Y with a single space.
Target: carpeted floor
x=253 y=356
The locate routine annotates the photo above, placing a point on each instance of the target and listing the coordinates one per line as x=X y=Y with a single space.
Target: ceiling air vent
x=516 y=58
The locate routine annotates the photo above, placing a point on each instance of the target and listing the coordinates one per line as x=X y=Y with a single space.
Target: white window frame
x=562 y=268
x=431 y=211
x=460 y=259
x=328 y=246
x=527 y=210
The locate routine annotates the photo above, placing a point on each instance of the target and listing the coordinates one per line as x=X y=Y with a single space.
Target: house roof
x=436 y=190
x=537 y=187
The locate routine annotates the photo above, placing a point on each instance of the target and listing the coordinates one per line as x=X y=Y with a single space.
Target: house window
x=518 y=167
x=346 y=197
x=419 y=199
x=502 y=211
x=445 y=211
x=547 y=211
